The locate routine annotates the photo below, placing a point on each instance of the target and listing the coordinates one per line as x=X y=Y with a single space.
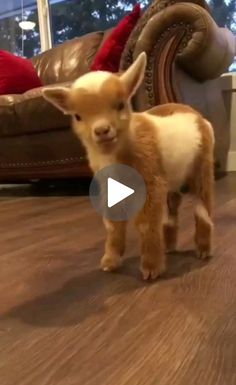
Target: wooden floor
x=64 y=322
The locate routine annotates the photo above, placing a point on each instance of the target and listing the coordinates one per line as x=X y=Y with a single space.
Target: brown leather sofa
x=187 y=53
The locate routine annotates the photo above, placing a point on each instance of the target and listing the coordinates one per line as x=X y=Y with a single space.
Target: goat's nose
x=102 y=131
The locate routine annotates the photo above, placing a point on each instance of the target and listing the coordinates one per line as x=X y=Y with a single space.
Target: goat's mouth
x=107 y=140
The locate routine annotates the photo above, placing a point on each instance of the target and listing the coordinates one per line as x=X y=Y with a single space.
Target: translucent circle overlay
x=128 y=207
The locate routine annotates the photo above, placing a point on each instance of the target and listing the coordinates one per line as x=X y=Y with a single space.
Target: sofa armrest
x=183 y=34
x=205 y=52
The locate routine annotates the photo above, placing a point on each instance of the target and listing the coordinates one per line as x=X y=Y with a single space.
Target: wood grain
x=64 y=322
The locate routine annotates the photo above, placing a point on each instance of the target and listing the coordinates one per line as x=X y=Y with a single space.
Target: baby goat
x=169 y=146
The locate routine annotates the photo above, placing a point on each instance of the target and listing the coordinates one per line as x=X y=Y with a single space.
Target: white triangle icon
x=117 y=192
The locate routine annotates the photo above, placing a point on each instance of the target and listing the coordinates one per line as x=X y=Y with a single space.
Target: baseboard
x=231 y=162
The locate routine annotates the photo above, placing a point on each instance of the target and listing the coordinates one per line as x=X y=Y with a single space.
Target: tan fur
x=140 y=140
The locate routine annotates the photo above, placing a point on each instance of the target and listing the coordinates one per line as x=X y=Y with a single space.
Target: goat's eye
x=121 y=106
x=78 y=117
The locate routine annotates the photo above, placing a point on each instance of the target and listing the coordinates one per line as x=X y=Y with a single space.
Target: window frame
x=44 y=24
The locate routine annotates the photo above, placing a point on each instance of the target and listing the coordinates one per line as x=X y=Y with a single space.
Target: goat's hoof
x=203 y=253
x=151 y=271
x=110 y=262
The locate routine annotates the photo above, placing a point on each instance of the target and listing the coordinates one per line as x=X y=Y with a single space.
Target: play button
x=117 y=192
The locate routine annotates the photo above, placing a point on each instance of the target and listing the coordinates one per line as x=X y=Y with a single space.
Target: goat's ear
x=59 y=97
x=134 y=75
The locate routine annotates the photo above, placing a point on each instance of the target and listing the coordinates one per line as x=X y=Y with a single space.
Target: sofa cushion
x=67 y=61
x=29 y=113
x=17 y=74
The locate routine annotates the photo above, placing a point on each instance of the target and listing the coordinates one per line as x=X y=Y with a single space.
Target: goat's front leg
x=150 y=226
x=115 y=245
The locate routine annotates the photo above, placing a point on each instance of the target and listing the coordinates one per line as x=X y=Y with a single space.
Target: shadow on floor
x=86 y=295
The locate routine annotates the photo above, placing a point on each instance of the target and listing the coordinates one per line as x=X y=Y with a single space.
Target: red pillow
x=109 y=56
x=17 y=75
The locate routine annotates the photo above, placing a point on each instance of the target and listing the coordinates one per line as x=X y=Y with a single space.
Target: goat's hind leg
x=203 y=191
x=171 y=224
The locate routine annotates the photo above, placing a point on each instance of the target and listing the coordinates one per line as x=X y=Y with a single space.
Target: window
x=23 y=41
x=71 y=18
x=224 y=14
